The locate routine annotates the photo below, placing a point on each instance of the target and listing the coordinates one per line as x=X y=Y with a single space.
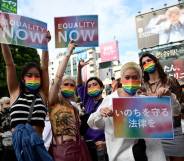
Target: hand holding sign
x=71 y=46
x=48 y=36
x=106 y=112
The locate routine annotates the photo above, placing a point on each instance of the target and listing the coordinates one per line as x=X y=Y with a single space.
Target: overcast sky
x=116 y=18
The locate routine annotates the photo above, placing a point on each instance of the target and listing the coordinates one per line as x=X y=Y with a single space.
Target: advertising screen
x=160 y=27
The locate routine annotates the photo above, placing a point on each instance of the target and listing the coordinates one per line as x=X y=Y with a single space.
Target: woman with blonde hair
x=120 y=148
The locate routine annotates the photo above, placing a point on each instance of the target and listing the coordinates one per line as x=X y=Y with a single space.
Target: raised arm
x=53 y=94
x=79 y=75
x=12 y=81
x=44 y=66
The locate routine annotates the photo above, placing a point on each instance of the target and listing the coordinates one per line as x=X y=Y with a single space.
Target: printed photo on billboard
x=160 y=27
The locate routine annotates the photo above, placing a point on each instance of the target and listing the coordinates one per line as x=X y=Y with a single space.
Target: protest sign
x=82 y=29
x=23 y=31
x=143 y=117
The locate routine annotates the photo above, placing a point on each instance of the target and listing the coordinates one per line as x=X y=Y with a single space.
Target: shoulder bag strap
x=31 y=109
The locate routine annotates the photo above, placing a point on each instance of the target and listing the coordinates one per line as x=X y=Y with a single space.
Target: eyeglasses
x=92 y=84
x=69 y=84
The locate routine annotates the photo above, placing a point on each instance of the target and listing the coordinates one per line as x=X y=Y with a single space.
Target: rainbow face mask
x=131 y=87
x=149 y=67
x=94 y=91
x=68 y=91
x=32 y=84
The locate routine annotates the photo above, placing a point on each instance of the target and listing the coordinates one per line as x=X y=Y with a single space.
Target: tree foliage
x=21 y=56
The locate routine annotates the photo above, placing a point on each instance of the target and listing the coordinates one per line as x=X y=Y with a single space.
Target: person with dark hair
x=67 y=144
x=28 y=101
x=157 y=83
x=91 y=96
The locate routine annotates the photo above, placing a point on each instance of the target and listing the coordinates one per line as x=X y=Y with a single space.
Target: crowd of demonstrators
x=121 y=148
x=90 y=93
x=157 y=83
x=28 y=101
x=67 y=143
x=7 y=152
x=69 y=134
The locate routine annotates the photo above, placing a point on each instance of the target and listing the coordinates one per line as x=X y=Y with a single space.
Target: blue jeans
x=28 y=145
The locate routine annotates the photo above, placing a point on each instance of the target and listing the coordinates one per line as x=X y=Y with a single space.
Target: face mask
x=94 y=91
x=131 y=87
x=149 y=67
x=68 y=91
x=32 y=84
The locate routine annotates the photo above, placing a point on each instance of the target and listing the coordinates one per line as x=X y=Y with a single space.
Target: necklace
x=156 y=83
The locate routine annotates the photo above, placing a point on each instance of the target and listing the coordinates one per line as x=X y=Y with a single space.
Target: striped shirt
x=20 y=110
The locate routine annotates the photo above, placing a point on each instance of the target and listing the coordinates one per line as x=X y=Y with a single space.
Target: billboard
x=109 y=51
x=160 y=27
x=172 y=60
x=23 y=31
x=82 y=29
x=8 y=6
x=143 y=117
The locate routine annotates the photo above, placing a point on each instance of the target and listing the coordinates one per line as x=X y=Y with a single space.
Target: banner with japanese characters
x=82 y=29
x=175 y=68
x=8 y=6
x=23 y=31
x=143 y=117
